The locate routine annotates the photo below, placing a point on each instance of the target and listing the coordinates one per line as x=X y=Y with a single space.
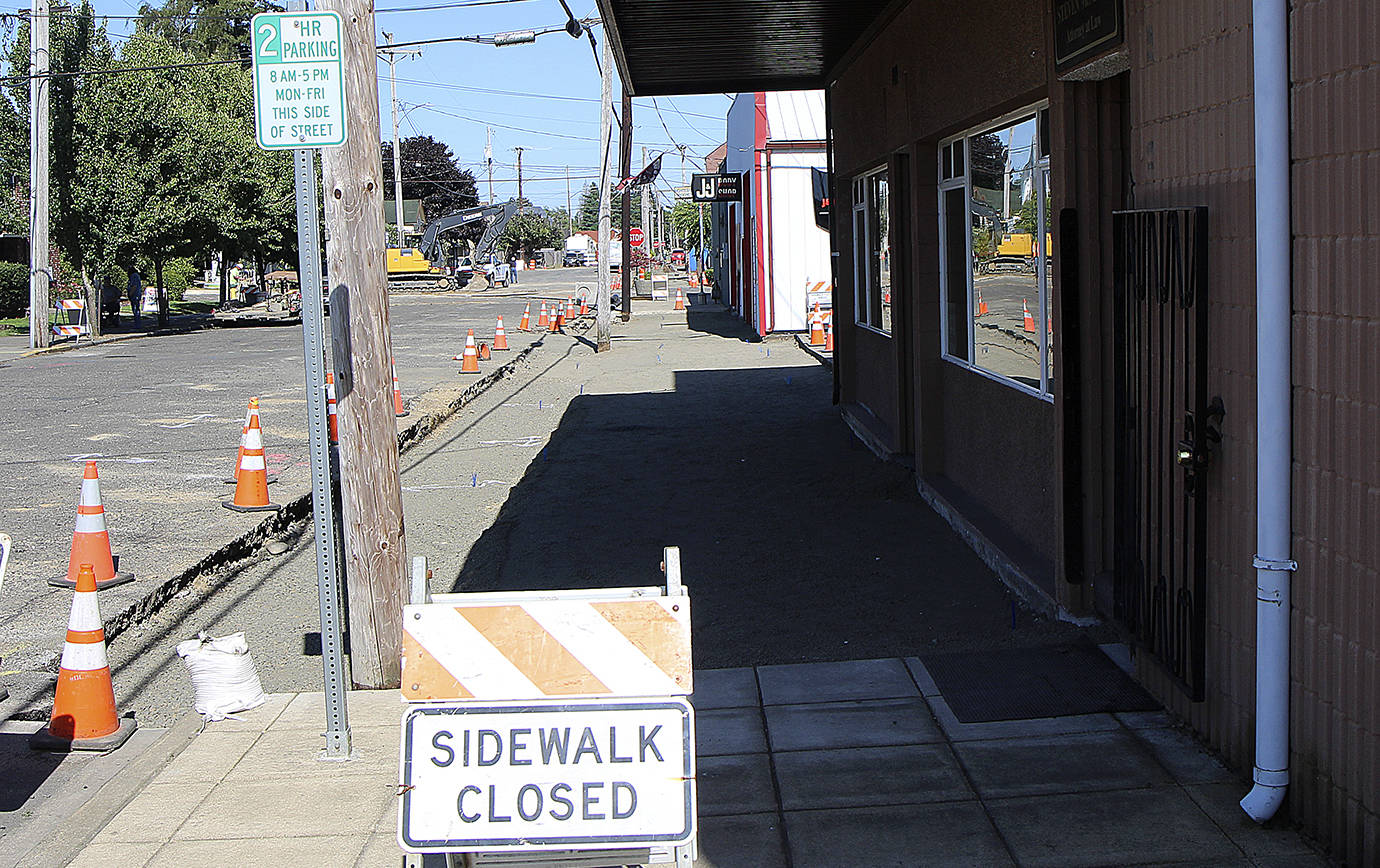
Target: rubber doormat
x=1022 y=683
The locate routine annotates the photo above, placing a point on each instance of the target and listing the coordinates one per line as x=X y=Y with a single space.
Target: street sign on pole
x=547 y=774
x=299 y=82
x=269 y=42
x=635 y=235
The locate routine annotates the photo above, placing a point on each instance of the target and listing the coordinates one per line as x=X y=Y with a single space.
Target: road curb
x=87 y=821
x=295 y=512
x=804 y=344
x=114 y=339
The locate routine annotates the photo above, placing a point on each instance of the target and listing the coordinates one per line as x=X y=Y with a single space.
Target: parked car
x=678 y=259
x=574 y=258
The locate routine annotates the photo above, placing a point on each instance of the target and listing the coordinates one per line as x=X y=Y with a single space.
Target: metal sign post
x=299 y=104
x=327 y=571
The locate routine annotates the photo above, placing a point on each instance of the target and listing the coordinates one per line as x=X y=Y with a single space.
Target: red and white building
x=773 y=254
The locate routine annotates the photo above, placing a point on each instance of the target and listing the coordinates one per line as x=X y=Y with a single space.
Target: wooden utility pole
x=375 y=556
x=603 y=315
x=390 y=56
x=489 y=159
x=519 y=171
x=624 y=172
x=39 y=275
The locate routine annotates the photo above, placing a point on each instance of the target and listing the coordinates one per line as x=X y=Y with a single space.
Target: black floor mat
x=1022 y=683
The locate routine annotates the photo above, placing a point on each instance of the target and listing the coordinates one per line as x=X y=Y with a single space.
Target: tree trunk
x=224 y=277
x=92 y=294
x=162 y=295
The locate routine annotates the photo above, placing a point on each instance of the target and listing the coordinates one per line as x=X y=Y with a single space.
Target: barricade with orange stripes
x=607 y=660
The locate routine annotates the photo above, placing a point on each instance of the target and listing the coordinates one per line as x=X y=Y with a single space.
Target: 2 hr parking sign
x=299 y=83
x=554 y=774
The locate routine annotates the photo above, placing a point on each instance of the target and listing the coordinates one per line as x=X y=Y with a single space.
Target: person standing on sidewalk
x=135 y=292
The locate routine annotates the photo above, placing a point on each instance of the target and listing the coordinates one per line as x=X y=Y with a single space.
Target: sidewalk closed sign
x=551 y=774
x=299 y=85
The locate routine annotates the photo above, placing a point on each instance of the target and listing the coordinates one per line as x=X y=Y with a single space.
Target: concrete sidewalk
x=819 y=579
x=849 y=764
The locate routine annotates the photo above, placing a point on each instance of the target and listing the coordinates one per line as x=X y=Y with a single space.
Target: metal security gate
x=1166 y=427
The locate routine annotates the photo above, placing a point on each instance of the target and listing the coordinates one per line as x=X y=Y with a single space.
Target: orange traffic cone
x=570 y=309
x=90 y=542
x=484 y=354
x=332 y=425
x=983 y=309
x=500 y=337
x=469 y=363
x=234 y=476
x=554 y=325
x=524 y=324
x=584 y=305
x=542 y=321
x=1029 y=324
x=680 y=300
x=816 y=329
x=557 y=317
x=251 y=492
x=398 y=408
x=84 y=715
x=828 y=338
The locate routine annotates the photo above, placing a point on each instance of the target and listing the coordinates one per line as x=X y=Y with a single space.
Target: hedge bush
x=14 y=288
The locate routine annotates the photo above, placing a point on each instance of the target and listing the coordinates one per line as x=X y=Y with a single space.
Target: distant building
x=414 y=217
x=771 y=252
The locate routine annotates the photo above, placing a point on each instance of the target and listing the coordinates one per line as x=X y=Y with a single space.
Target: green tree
x=587 y=212
x=76 y=45
x=530 y=231
x=160 y=148
x=685 y=221
x=430 y=173
x=210 y=29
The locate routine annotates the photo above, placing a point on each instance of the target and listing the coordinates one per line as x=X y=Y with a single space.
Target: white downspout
x=1274 y=446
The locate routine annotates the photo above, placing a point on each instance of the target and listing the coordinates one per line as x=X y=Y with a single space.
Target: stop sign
x=635 y=236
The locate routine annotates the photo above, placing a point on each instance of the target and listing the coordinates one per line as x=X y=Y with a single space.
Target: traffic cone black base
x=267 y=507
x=44 y=740
x=118 y=579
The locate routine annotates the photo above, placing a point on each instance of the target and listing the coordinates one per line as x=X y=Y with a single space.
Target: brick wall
x=1192 y=144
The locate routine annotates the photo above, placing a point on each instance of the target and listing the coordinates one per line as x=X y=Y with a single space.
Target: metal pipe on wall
x=1274 y=444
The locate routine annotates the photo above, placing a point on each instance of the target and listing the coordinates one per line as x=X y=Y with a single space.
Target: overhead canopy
x=668 y=47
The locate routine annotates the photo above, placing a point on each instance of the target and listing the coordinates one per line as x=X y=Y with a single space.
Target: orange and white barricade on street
x=527 y=684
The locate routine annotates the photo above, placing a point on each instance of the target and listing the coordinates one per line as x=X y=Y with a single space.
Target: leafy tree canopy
x=430 y=173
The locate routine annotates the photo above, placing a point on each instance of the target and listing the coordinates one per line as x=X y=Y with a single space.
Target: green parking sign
x=299 y=82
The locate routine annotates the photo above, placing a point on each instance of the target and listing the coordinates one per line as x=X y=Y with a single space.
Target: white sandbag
x=223 y=674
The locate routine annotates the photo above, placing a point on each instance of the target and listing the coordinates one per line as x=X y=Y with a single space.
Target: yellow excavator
x=419 y=269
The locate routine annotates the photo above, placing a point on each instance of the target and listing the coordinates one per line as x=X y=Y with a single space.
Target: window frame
x=865 y=280
x=955 y=181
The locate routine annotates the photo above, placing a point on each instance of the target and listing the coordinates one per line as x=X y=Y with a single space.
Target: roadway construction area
x=559 y=468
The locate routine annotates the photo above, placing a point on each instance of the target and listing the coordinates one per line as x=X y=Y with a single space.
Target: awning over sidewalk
x=714 y=46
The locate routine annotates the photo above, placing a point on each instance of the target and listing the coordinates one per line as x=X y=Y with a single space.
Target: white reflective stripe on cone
x=86 y=614
x=252 y=462
x=92 y=523
x=84 y=657
x=253 y=439
x=90 y=492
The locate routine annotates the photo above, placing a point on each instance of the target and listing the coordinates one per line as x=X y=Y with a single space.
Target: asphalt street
x=162 y=416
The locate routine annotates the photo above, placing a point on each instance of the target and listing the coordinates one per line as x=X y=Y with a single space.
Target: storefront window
x=997 y=246
x=872 y=250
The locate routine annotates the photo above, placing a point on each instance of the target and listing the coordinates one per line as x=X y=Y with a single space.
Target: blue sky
x=543 y=97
